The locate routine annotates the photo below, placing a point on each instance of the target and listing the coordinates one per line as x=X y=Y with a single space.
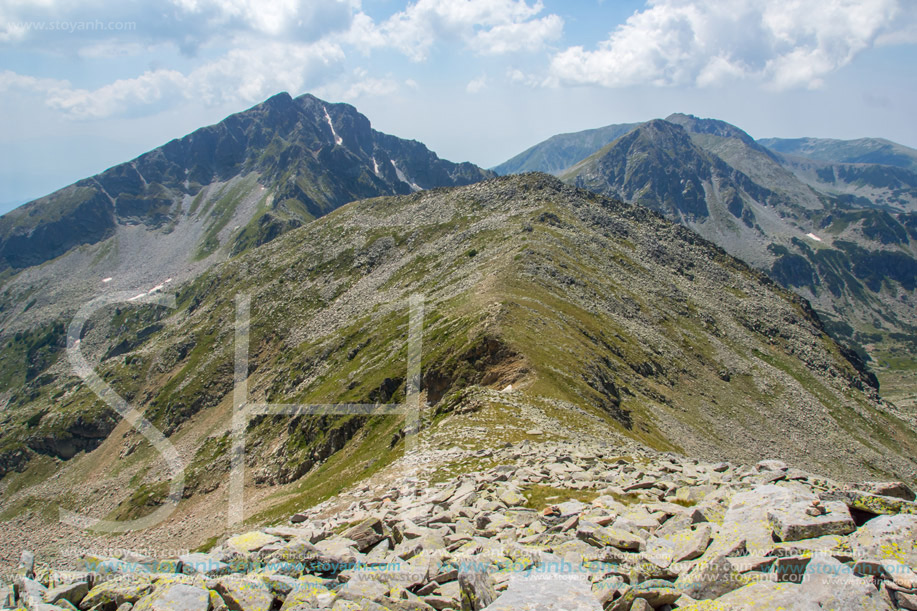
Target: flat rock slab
x=203 y=564
x=546 y=592
x=115 y=593
x=599 y=536
x=747 y=516
x=887 y=538
x=175 y=597
x=826 y=584
x=871 y=503
x=793 y=523
x=365 y=534
x=73 y=593
x=898 y=490
x=243 y=594
x=251 y=541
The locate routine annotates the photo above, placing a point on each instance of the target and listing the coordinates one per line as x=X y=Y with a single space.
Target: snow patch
x=404 y=179
x=375 y=166
x=814 y=237
x=106 y=280
x=136 y=297
x=337 y=139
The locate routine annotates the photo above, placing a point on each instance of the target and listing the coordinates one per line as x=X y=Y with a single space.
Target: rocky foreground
x=562 y=526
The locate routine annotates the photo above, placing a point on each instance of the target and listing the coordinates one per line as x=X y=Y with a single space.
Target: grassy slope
x=584 y=303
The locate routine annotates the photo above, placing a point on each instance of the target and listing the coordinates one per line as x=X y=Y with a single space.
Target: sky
x=87 y=84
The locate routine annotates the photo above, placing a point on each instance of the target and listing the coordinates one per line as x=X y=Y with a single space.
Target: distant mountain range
x=834 y=220
x=559 y=152
x=545 y=304
x=863 y=150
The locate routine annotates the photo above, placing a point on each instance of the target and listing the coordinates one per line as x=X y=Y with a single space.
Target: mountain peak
x=714 y=127
x=278 y=99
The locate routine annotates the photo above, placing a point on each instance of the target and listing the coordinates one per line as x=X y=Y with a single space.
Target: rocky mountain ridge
x=595 y=317
x=837 y=233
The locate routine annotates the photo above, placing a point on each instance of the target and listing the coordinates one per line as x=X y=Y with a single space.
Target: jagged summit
x=221 y=190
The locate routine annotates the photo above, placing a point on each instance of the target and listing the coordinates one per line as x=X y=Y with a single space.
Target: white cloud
x=485 y=26
x=359 y=83
x=476 y=85
x=313 y=18
x=511 y=37
x=689 y=42
x=11 y=81
x=187 y=23
x=247 y=75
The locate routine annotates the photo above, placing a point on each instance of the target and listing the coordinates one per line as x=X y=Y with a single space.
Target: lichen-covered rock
x=109 y=595
x=871 y=503
x=898 y=490
x=599 y=536
x=477 y=589
x=251 y=541
x=534 y=591
x=175 y=597
x=245 y=594
x=71 y=592
x=365 y=534
x=309 y=593
x=806 y=520
x=825 y=584
x=887 y=537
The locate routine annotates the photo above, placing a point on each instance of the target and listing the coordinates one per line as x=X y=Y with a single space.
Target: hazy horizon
x=88 y=87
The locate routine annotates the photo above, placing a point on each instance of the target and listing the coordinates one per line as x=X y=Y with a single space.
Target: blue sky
x=85 y=85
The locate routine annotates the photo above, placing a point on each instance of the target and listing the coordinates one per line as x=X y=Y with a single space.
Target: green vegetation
x=539 y=497
x=143 y=501
x=29 y=353
x=358 y=460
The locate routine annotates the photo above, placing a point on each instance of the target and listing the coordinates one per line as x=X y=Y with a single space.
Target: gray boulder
x=887 y=537
x=806 y=520
x=175 y=597
x=533 y=591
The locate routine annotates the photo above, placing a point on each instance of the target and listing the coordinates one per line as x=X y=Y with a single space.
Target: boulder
x=365 y=534
x=109 y=595
x=534 y=591
x=826 y=584
x=26 y=566
x=73 y=593
x=887 y=537
x=244 y=594
x=691 y=544
x=175 y=597
x=806 y=520
x=599 y=536
x=251 y=541
x=308 y=593
x=202 y=564
x=871 y=503
x=747 y=516
x=476 y=589
x=511 y=498
x=31 y=593
x=898 y=490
